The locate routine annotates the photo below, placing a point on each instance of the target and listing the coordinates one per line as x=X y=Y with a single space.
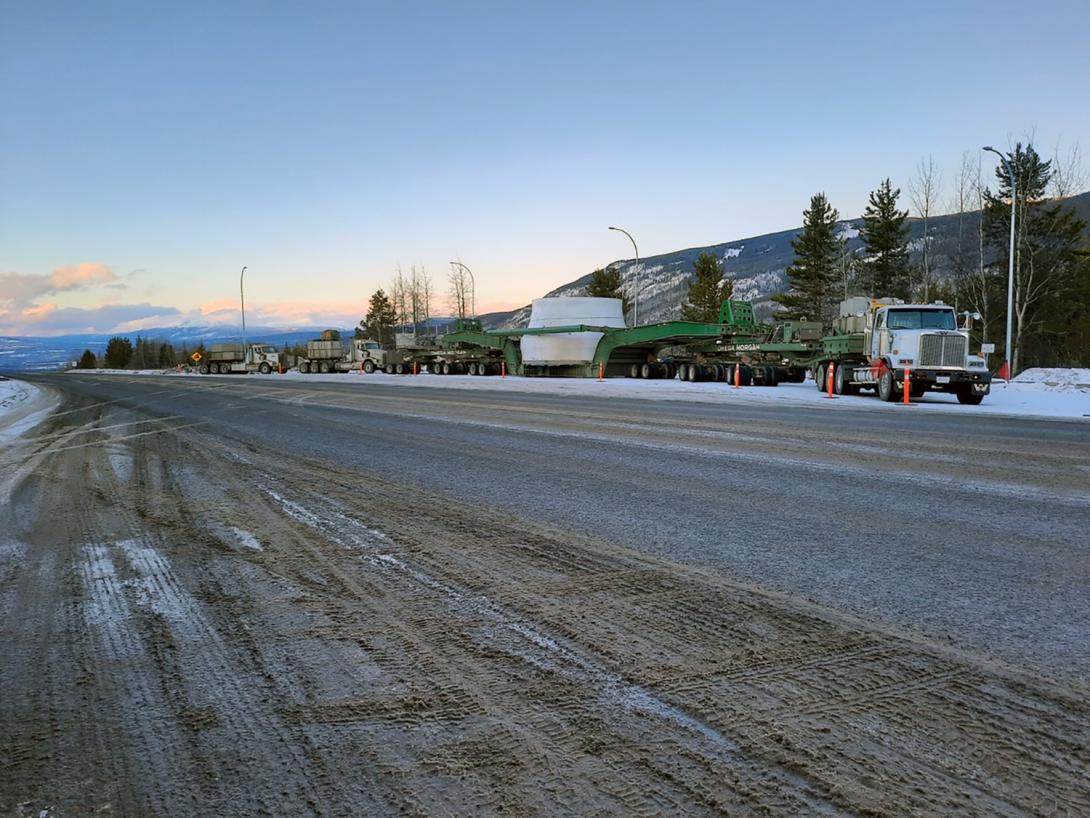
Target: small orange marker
x=503 y=369
x=908 y=386
x=601 y=371
x=737 y=376
x=831 y=376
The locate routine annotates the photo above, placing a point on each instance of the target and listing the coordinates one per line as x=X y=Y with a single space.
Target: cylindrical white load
x=563 y=311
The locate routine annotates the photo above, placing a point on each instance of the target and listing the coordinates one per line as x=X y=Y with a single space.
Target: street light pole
x=636 y=278
x=242 y=296
x=1007 y=353
x=473 y=281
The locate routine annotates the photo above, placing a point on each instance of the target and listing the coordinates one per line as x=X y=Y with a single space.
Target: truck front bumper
x=948 y=380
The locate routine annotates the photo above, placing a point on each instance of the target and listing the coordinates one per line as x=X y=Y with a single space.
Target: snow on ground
x=22 y=406
x=1048 y=393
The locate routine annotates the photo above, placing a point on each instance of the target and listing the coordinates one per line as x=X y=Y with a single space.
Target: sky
x=150 y=150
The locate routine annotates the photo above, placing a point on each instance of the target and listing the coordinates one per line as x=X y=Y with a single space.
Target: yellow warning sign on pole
x=196 y=356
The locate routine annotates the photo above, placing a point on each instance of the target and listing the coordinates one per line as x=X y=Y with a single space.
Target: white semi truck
x=228 y=359
x=876 y=341
x=328 y=354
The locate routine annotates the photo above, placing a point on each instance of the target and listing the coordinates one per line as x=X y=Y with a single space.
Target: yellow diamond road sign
x=196 y=356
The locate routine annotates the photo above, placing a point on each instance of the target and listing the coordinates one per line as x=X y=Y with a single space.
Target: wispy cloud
x=19 y=290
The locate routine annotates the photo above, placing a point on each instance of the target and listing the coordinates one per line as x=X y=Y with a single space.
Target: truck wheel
x=399 y=369
x=819 y=377
x=203 y=369
x=966 y=397
x=368 y=366
x=264 y=369
x=841 y=384
x=444 y=367
x=304 y=367
x=885 y=387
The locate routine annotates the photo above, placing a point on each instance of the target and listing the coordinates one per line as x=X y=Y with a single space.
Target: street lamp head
x=989 y=148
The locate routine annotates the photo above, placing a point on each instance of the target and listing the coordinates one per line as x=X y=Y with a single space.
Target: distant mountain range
x=757 y=265
x=25 y=354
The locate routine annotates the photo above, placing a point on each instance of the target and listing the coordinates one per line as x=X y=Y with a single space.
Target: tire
x=323 y=367
x=368 y=367
x=399 y=369
x=304 y=368
x=747 y=375
x=967 y=398
x=885 y=390
x=203 y=369
x=444 y=368
x=819 y=377
x=647 y=371
x=388 y=369
x=477 y=369
x=214 y=368
x=682 y=371
x=264 y=369
x=692 y=375
x=841 y=385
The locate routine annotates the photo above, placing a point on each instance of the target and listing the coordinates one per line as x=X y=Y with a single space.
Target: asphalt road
x=241 y=596
x=968 y=530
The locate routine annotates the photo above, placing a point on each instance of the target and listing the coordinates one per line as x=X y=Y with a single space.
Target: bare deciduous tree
x=459 y=290
x=924 y=191
x=1068 y=174
x=975 y=282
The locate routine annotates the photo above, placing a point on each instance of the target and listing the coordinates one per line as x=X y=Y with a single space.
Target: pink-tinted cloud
x=21 y=290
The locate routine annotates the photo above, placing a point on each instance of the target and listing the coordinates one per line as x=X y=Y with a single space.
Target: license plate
x=942 y=379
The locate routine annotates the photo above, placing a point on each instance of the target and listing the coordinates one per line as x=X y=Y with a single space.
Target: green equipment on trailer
x=749 y=351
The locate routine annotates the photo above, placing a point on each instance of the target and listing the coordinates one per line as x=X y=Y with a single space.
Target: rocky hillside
x=757 y=266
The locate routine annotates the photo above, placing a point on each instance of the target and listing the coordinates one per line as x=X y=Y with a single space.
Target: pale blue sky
x=323 y=143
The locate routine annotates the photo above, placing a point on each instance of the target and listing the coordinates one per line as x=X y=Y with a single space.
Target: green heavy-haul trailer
x=738 y=349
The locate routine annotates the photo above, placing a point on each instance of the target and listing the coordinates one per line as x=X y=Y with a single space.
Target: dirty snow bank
x=1056 y=379
x=22 y=406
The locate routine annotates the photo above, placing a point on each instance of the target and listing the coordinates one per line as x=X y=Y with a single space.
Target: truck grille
x=943 y=350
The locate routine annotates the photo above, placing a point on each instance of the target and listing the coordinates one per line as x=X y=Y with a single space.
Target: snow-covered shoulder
x=1042 y=393
x=22 y=407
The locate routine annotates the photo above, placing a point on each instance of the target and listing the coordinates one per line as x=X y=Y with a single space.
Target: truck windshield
x=921 y=319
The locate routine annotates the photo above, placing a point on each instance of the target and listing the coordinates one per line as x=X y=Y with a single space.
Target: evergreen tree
x=606 y=282
x=87 y=360
x=381 y=319
x=818 y=268
x=707 y=290
x=118 y=352
x=167 y=358
x=1050 y=262
x=886 y=238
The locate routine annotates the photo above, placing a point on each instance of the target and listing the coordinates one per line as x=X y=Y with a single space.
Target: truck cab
x=925 y=340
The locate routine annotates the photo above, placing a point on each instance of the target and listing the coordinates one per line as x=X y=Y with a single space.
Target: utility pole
x=473 y=282
x=242 y=296
x=636 y=278
x=1007 y=352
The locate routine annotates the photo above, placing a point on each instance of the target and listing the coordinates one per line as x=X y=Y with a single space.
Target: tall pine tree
x=707 y=290
x=886 y=237
x=381 y=319
x=607 y=283
x=1050 y=267
x=816 y=271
